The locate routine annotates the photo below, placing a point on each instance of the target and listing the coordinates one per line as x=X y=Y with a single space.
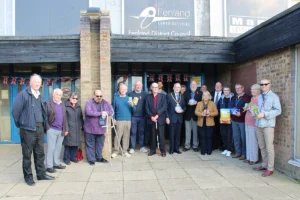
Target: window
x=296 y=160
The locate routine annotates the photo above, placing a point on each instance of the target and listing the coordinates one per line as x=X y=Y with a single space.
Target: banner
x=158 y=17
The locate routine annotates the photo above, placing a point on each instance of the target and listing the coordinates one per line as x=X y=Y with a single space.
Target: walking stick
x=109 y=146
x=156 y=131
x=117 y=136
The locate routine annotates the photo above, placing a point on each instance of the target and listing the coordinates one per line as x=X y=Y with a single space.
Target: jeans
x=137 y=126
x=238 y=132
x=92 y=141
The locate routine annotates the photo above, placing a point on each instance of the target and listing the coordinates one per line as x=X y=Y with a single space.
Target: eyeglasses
x=264 y=84
x=100 y=96
x=75 y=98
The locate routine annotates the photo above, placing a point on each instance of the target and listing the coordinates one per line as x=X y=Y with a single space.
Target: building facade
x=96 y=58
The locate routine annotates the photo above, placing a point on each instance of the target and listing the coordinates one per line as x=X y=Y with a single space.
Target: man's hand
x=154 y=119
x=131 y=103
x=238 y=114
x=168 y=121
x=260 y=115
x=115 y=122
x=66 y=133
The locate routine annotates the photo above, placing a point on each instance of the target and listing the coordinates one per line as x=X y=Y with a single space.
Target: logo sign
x=160 y=17
x=241 y=16
x=241 y=24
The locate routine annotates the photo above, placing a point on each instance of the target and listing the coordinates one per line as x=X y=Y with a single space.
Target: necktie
x=176 y=97
x=217 y=98
x=193 y=95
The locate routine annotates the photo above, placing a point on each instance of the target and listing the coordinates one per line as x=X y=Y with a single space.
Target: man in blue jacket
x=138 y=118
x=29 y=113
x=269 y=108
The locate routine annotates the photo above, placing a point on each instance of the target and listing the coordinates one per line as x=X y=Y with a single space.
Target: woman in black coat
x=75 y=121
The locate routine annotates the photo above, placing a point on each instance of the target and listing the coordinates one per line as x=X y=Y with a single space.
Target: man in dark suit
x=176 y=108
x=191 y=97
x=156 y=107
x=216 y=95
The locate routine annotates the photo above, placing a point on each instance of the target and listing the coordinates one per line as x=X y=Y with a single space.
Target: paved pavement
x=186 y=176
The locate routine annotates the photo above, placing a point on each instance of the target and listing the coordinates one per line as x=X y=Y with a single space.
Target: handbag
x=79 y=156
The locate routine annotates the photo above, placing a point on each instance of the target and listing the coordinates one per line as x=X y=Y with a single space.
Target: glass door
x=5 y=132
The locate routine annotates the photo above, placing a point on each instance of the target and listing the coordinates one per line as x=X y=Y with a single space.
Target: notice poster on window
x=158 y=17
x=242 y=15
x=197 y=79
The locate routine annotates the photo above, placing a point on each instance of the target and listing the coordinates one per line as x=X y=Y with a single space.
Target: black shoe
x=101 y=160
x=50 y=170
x=151 y=153
x=163 y=154
x=59 y=167
x=185 y=149
x=178 y=152
x=92 y=162
x=171 y=152
x=74 y=161
x=46 y=177
x=195 y=150
x=67 y=163
x=30 y=182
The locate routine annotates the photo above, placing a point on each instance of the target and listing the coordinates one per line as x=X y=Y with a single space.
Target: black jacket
x=161 y=108
x=190 y=110
x=75 y=123
x=23 y=112
x=172 y=114
x=213 y=96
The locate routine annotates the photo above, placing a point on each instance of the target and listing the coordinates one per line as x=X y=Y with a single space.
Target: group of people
x=61 y=121
x=195 y=109
x=251 y=125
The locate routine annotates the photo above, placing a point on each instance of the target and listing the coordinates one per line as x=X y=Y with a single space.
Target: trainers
x=131 y=151
x=144 y=150
x=127 y=154
x=228 y=154
x=224 y=152
x=114 y=155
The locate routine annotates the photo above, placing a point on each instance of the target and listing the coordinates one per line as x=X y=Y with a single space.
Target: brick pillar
x=105 y=70
x=95 y=72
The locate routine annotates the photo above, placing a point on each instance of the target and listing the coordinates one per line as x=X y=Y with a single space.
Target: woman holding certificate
x=251 y=115
x=206 y=110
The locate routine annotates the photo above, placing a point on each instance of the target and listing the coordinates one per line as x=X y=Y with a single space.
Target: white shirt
x=35 y=94
x=216 y=93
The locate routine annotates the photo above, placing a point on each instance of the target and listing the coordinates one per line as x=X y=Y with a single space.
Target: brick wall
x=95 y=67
x=279 y=66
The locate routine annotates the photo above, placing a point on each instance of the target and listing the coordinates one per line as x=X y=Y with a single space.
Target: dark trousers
x=70 y=153
x=175 y=130
x=33 y=141
x=137 y=126
x=92 y=141
x=161 y=138
x=206 y=138
x=217 y=138
x=226 y=132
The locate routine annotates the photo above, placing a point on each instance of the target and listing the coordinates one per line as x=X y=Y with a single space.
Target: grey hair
x=256 y=86
x=35 y=75
x=57 y=90
x=266 y=80
x=72 y=95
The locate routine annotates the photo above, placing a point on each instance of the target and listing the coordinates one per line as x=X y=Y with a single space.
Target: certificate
x=225 y=116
